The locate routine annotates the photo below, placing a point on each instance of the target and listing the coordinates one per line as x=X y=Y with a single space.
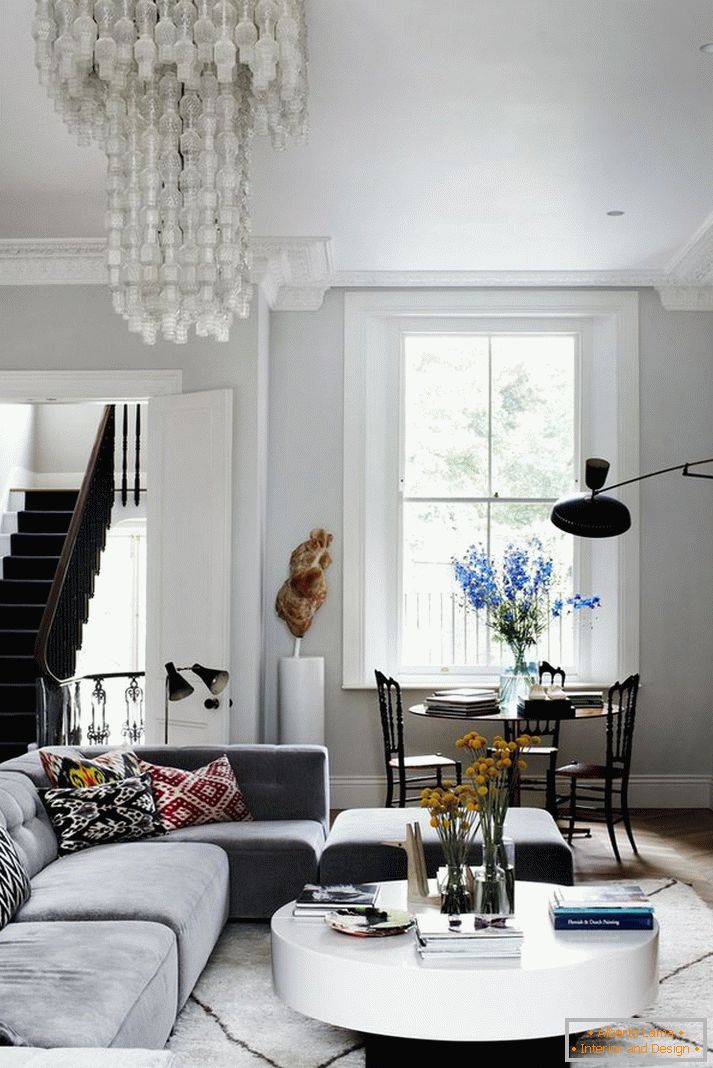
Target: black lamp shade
x=177 y=687
x=591 y=517
x=215 y=679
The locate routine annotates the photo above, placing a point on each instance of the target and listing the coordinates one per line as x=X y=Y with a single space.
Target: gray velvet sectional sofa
x=113 y=938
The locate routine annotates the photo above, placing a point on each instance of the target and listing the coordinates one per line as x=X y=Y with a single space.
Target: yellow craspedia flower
x=535 y=740
x=507 y=762
x=483 y=790
x=512 y=746
x=522 y=764
x=480 y=779
x=434 y=821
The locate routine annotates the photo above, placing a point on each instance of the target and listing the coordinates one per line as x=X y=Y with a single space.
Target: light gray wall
x=674 y=731
x=16 y=438
x=63 y=436
x=74 y=327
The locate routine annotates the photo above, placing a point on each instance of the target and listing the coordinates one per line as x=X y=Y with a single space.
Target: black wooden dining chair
x=548 y=730
x=594 y=788
x=399 y=767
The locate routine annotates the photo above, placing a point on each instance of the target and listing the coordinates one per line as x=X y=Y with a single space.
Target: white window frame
x=608 y=323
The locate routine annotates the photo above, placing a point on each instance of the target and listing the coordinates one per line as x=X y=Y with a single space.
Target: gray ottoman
x=354 y=851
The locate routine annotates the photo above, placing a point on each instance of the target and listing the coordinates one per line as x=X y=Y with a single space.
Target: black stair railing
x=63 y=720
x=60 y=633
x=125 y=456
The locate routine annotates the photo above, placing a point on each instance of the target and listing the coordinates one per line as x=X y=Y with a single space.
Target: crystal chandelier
x=173 y=90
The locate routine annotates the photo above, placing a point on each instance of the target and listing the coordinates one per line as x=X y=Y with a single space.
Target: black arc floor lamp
x=596 y=515
x=178 y=688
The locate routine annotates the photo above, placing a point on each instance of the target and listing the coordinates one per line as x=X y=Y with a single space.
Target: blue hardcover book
x=602 y=920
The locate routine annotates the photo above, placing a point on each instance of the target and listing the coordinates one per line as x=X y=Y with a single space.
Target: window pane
x=533 y=415
x=517 y=523
x=446 y=416
x=436 y=630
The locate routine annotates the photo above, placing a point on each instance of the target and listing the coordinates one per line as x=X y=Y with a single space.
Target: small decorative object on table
x=494 y=772
x=365 y=921
x=516 y=596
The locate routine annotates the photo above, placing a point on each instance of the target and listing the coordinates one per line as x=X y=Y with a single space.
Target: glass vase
x=490 y=895
x=516 y=680
x=506 y=860
x=455 y=885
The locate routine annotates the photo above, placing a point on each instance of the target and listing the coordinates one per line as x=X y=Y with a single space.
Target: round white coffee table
x=381 y=987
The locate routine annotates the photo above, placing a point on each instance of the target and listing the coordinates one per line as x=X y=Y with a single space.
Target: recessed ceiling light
x=615 y=213
x=708 y=47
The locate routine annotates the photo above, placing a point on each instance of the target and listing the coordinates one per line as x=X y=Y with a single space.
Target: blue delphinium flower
x=516 y=596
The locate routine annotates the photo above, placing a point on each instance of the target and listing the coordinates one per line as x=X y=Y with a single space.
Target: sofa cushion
x=14 y=880
x=23 y=815
x=120 y=811
x=89 y=984
x=190 y=798
x=78 y=771
x=270 y=860
x=183 y=886
x=355 y=849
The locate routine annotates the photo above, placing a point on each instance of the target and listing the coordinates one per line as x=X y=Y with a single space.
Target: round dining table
x=508 y=715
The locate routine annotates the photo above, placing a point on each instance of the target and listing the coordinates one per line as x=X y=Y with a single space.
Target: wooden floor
x=671 y=842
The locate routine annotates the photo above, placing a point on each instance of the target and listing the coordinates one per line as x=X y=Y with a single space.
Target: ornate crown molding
x=497 y=279
x=294 y=272
x=52 y=262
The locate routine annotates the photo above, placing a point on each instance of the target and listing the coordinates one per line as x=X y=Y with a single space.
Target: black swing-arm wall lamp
x=177 y=688
x=595 y=515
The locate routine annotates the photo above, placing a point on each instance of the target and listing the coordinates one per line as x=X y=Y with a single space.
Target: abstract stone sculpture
x=305 y=590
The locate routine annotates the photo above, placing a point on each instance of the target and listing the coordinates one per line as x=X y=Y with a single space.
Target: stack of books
x=438 y=939
x=585 y=698
x=319 y=900
x=601 y=907
x=463 y=702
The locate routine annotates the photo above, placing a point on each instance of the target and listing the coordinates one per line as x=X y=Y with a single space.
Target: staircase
x=37 y=533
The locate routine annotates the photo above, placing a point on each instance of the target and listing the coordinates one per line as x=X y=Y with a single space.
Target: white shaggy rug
x=233 y=1019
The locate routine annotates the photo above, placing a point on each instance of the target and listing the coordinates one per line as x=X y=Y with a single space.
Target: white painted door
x=189 y=489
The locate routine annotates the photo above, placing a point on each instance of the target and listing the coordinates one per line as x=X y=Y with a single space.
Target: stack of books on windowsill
x=317 y=901
x=439 y=939
x=601 y=907
x=463 y=702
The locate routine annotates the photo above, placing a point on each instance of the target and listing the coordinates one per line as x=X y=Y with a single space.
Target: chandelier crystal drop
x=173 y=91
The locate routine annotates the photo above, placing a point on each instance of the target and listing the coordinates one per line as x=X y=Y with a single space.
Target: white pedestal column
x=300 y=688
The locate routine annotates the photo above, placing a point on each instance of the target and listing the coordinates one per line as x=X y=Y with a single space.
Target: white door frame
x=77 y=387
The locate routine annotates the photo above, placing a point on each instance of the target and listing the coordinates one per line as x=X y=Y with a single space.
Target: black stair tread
x=37 y=543
x=41 y=522
x=24 y=591
x=50 y=500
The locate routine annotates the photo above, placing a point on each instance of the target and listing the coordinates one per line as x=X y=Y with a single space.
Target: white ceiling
x=446 y=135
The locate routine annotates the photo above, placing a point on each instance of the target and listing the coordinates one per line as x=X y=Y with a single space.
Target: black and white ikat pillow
x=14 y=881
x=122 y=811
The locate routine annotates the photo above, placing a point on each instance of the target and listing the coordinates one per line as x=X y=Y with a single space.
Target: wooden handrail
x=103 y=440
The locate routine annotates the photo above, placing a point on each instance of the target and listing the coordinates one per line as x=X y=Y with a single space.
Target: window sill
x=428 y=683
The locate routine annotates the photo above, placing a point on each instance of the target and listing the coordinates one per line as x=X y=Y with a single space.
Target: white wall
x=674 y=738
x=87 y=335
x=63 y=436
x=16 y=438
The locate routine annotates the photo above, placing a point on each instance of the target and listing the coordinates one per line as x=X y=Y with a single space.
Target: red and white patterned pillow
x=188 y=798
